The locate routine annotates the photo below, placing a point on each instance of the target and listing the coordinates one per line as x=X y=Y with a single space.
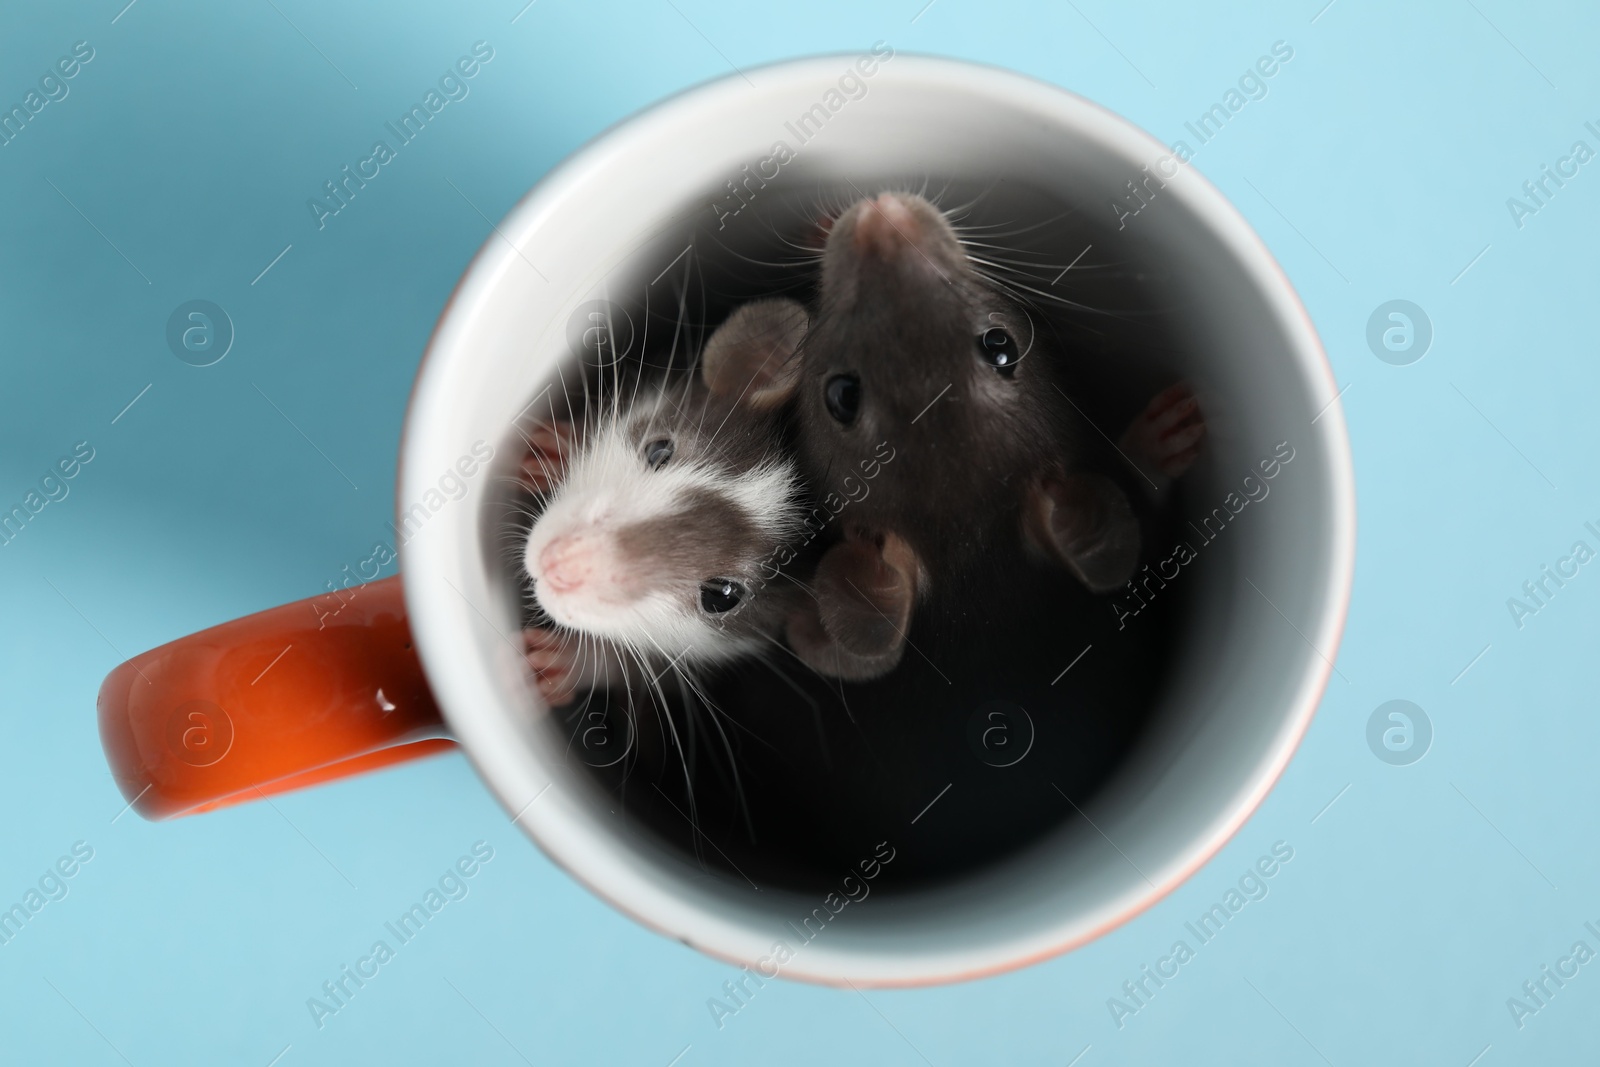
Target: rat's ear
x=1086 y=522
x=864 y=592
x=751 y=356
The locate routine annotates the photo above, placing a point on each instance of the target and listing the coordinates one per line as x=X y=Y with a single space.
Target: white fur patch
x=608 y=486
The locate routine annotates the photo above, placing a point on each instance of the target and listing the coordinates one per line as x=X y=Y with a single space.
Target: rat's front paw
x=1166 y=435
x=549 y=445
x=554 y=659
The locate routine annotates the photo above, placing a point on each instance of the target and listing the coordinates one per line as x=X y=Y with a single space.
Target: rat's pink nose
x=886 y=226
x=571 y=560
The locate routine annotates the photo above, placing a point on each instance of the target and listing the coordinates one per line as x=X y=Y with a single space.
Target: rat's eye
x=998 y=349
x=842 y=394
x=720 y=595
x=656 y=453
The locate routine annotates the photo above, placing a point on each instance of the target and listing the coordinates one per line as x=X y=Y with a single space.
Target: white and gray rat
x=662 y=517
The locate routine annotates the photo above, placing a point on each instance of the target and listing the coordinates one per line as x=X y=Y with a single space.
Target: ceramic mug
x=327 y=687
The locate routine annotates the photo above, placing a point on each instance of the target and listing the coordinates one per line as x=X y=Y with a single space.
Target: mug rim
x=426 y=592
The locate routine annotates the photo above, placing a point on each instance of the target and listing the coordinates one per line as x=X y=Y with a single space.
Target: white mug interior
x=1271 y=599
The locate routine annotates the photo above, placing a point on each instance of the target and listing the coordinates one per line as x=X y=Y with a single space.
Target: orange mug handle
x=304 y=693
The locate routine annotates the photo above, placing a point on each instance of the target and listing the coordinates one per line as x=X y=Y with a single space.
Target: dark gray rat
x=912 y=345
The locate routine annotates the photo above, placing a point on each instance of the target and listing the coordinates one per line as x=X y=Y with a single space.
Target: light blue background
x=1377 y=168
